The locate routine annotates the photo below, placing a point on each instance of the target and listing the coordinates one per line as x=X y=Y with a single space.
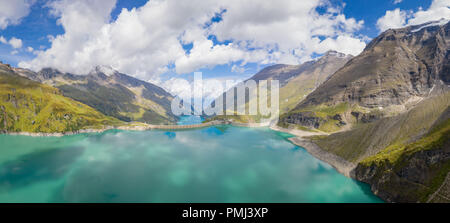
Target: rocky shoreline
x=139 y=127
x=57 y=134
x=296 y=132
x=341 y=165
x=249 y=125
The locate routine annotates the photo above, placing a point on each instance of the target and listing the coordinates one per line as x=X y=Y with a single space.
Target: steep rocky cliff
x=399 y=67
x=389 y=111
x=415 y=172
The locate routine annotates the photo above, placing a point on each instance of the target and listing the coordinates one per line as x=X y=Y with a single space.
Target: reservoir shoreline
x=139 y=127
x=341 y=165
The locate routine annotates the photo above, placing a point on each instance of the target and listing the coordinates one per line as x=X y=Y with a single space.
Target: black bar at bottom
x=200 y=213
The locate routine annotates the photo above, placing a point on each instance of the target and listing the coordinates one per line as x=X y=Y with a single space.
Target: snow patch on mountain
x=107 y=70
x=430 y=24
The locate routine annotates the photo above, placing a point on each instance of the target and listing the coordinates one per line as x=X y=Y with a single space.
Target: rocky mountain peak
x=418 y=35
x=395 y=66
x=332 y=56
x=104 y=69
x=284 y=72
x=333 y=53
x=49 y=73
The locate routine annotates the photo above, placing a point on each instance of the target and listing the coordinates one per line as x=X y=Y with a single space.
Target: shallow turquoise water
x=217 y=164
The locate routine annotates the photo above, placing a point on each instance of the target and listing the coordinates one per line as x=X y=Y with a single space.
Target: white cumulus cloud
x=149 y=40
x=439 y=9
x=15 y=42
x=3 y=40
x=12 y=11
x=392 y=20
x=212 y=87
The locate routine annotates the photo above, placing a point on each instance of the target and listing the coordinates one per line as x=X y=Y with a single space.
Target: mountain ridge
x=296 y=81
x=393 y=70
x=112 y=93
x=387 y=112
x=29 y=106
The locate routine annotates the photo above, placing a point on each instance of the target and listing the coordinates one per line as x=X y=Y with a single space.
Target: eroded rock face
x=308 y=119
x=305 y=119
x=365 y=117
x=409 y=180
x=397 y=66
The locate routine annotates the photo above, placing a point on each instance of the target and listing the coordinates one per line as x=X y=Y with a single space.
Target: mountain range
x=296 y=81
x=29 y=106
x=384 y=111
x=50 y=101
x=387 y=112
x=110 y=92
x=397 y=69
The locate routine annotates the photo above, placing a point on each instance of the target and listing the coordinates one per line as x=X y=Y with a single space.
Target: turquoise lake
x=217 y=164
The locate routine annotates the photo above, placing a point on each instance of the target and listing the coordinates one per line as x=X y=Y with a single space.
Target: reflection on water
x=217 y=164
x=38 y=166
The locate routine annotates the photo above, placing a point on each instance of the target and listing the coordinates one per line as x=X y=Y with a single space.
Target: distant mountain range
x=386 y=111
x=110 y=92
x=29 y=106
x=50 y=101
x=296 y=81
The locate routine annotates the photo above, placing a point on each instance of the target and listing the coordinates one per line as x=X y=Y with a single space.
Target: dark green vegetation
x=412 y=172
x=112 y=93
x=29 y=106
x=388 y=110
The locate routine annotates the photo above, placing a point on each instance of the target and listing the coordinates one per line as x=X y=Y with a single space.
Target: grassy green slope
x=117 y=95
x=118 y=101
x=405 y=158
x=412 y=172
x=109 y=101
x=368 y=139
x=28 y=106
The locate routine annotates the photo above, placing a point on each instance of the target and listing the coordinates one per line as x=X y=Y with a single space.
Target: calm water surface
x=217 y=164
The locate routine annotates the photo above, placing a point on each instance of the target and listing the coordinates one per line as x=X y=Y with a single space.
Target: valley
x=381 y=117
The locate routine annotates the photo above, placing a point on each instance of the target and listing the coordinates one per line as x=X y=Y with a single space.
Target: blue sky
x=236 y=49
x=370 y=11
